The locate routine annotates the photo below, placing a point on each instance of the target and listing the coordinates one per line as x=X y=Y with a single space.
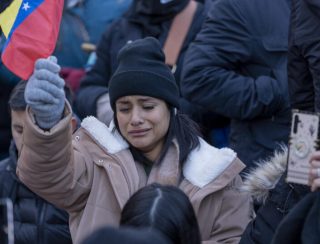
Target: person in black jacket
x=304 y=55
x=35 y=220
x=144 y=18
x=237 y=67
x=269 y=189
x=302 y=224
x=290 y=213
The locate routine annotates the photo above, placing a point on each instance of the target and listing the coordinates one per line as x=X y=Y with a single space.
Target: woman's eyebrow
x=147 y=99
x=123 y=102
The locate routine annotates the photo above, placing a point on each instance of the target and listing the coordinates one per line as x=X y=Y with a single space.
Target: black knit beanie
x=142 y=71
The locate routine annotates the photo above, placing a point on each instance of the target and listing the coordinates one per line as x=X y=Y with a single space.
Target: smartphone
x=304 y=140
x=6 y=221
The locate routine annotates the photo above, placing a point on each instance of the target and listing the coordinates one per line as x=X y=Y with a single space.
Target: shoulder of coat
x=206 y=163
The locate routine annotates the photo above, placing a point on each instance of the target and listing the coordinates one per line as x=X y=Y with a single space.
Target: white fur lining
x=206 y=163
x=261 y=179
x=108 y=138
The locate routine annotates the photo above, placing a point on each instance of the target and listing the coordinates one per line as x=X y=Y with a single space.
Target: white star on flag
x=26 y=6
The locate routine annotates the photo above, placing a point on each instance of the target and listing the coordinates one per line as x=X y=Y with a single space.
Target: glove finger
x=46 y=75
x=43 y=109
x=45 y=85
x=40 y=97
x=48 y=64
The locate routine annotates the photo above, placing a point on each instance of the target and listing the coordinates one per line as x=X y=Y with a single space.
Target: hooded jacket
x=93 y=175
x=266 y=184
x=35 y=220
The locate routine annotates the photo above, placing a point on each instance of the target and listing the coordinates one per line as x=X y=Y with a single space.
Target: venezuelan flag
x=31 y=28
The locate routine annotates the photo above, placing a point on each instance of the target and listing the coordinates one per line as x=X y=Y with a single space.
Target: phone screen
x=6 y=221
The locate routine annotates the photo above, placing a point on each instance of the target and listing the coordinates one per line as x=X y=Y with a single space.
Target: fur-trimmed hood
x=202 y=166
x=260 y=180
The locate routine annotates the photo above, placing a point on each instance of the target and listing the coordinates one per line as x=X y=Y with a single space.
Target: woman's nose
x=136 y=117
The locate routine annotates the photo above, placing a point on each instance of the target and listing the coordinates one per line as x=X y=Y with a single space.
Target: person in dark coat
x=126 y=235
x=35 y=220
x=144 y=18
x=236 y=67
x=302 y=224
x=304 y=55
x=276 y=198
x=288 y=214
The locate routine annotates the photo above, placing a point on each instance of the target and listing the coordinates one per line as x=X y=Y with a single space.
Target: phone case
x=303 y=141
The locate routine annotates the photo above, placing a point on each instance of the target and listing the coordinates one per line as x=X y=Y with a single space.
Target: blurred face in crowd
x=143 y=121
x=17 y=121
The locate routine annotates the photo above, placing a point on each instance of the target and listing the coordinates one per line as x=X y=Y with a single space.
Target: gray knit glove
x=45 y=92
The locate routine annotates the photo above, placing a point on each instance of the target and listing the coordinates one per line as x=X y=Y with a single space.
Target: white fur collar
x=203 y=165
x=107 y=137
x=206 y=163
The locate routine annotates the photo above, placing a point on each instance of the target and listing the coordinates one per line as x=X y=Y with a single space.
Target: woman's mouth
x=138 y=133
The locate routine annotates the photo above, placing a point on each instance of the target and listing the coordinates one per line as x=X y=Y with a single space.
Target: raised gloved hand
x=45 y=92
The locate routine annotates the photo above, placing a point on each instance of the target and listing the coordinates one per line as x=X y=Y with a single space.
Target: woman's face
x=143 y=122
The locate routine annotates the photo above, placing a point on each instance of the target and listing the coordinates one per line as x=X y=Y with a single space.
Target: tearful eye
x=148 y=108
x=123 y=110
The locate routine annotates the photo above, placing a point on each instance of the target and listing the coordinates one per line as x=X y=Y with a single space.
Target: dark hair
x=114 y=235
x=16 y=100
x=165 y=208
x=181 y=127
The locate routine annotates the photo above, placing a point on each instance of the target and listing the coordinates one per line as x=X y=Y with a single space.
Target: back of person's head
x=113 y=235
x=17 y=101
x=165 y=208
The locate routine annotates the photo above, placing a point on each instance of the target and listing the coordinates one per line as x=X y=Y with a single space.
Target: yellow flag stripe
x=8 y=16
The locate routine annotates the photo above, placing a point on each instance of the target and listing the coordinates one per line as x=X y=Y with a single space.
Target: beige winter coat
x=93 y=175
